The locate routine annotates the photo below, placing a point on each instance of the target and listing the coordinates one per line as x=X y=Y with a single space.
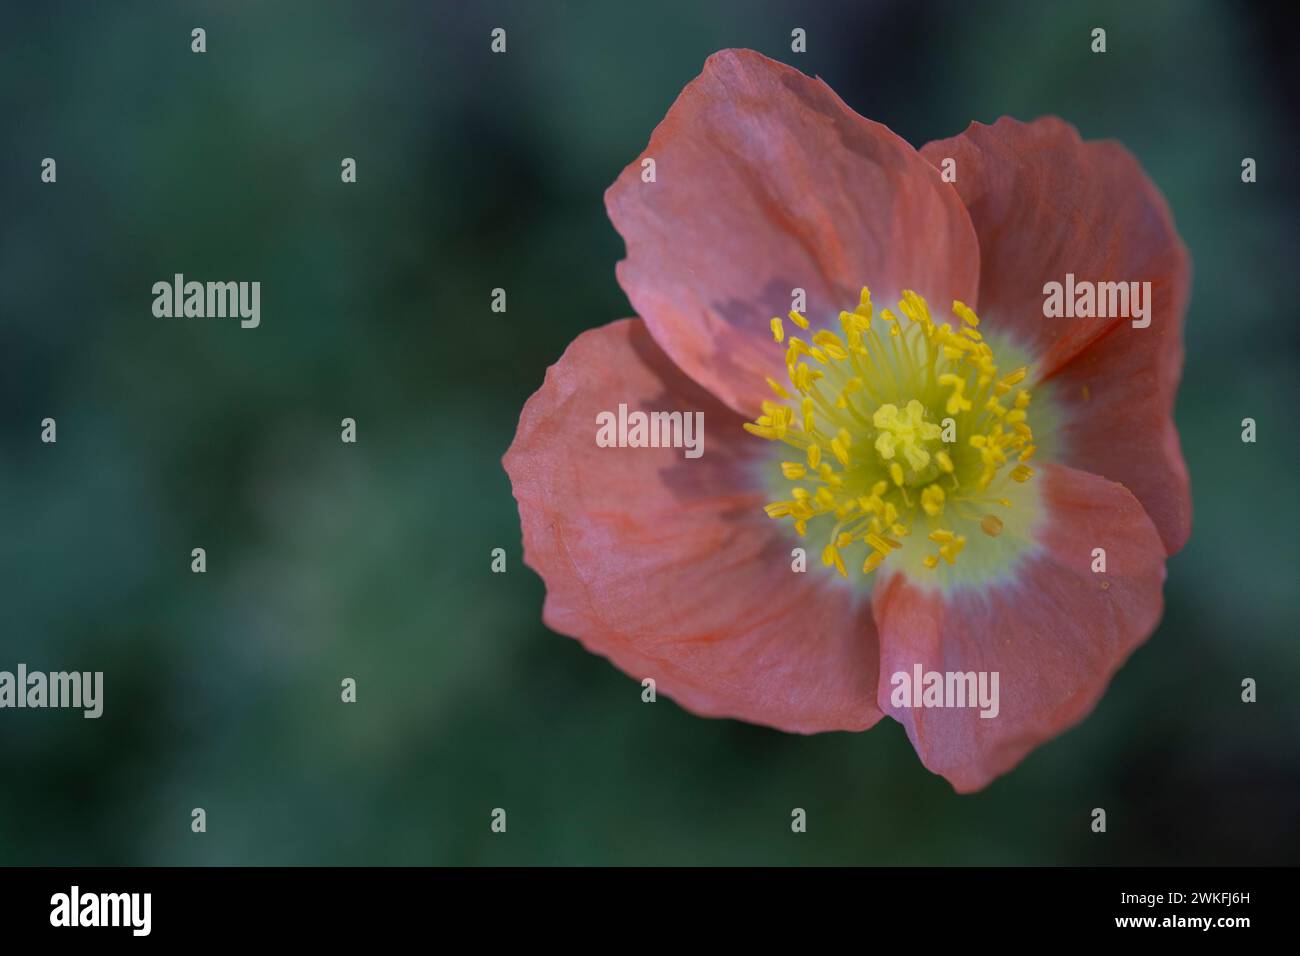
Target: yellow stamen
x=932 y=501
x=877 y=404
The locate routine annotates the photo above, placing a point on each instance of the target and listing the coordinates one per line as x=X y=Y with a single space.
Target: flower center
x=901 y=428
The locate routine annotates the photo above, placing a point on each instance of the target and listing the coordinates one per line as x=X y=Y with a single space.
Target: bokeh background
x=372 y=560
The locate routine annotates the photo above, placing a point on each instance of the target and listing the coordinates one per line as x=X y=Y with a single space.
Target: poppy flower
x=979 y=486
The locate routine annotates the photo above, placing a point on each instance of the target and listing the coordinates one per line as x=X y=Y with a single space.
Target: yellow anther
x=953 y=548
x=880 y=543
x=932 y=500
x=803 y=377
x=841 y=453
x=864 y=303
x=965 y=313
x=831 y=556
x=874 y=408
x=831 y=344
x=957 y=402
x=916 y=309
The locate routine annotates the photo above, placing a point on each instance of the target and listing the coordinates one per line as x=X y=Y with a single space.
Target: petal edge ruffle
x=766 y=182
x=668 y=566
x=1055 y=637
x=1045 y=203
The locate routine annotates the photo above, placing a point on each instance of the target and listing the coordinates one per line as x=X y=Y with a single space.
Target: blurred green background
x=372 y=560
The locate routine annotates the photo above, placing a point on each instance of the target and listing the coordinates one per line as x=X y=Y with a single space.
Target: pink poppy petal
x=668 y=566
x=766 y=182
x=1118 y=423
x=1054 y=636
x=1044 y=204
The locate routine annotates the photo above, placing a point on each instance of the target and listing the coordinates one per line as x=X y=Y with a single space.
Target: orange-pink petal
x=1118 y=422
x=668 y=566
x=1054 y=637
x=765 y=181
x=1045 y=203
